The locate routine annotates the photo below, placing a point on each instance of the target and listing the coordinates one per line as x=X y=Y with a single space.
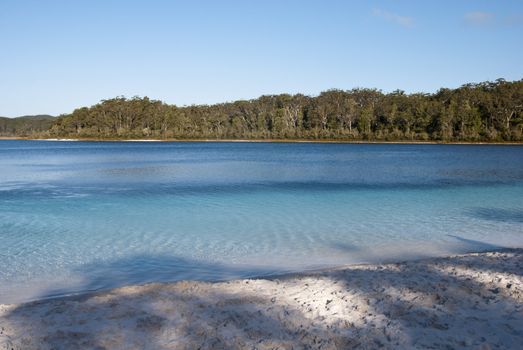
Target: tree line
x=29 y=125
x=487 y=111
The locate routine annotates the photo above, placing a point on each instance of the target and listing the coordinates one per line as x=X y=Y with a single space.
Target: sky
x=56 y=56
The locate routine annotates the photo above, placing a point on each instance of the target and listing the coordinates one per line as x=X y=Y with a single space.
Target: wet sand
x=465 y=301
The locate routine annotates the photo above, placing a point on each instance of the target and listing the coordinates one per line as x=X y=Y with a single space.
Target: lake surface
x=80 y=216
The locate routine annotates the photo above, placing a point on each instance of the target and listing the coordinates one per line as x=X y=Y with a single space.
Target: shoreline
x=405 y=142
x=466 y=300
x=272 y=276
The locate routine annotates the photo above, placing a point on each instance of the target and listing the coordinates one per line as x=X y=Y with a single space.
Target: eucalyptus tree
x=488 y=111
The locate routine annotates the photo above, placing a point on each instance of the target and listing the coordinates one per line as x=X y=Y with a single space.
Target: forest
x=27 y=125
x=490 y=111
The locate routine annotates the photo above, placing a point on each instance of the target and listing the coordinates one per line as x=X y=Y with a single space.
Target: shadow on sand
x=458 y=302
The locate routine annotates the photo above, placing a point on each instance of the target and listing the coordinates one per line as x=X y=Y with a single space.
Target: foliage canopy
x=488 y=111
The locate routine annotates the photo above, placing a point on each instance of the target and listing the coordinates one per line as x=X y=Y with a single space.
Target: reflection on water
x=88 y=215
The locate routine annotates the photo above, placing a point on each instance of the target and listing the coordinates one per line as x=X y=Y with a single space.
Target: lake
x=82 y=216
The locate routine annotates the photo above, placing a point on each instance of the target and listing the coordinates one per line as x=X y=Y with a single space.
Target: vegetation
x=26 y=126
x=488 y=111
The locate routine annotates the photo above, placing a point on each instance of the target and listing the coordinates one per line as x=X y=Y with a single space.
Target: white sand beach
x=466 y=301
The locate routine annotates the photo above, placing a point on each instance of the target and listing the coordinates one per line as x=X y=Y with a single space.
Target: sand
x=465 y=301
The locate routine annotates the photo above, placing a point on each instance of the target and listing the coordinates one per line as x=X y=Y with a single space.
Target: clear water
x=79 y=216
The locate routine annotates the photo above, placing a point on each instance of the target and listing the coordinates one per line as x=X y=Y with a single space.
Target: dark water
x=77 y=216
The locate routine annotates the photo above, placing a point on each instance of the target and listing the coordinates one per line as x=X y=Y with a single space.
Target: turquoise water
x=79 y=216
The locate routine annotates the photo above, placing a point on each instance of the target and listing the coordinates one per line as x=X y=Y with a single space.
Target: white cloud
x=479 y=18
x=403 y=21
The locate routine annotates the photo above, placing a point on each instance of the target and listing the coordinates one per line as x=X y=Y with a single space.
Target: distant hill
x=35 y=117
x=26 y=125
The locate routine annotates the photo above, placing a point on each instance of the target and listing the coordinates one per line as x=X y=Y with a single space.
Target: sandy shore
x=467 y=301
x=379 y=142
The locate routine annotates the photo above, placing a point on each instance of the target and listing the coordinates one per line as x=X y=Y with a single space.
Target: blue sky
x=59 y=55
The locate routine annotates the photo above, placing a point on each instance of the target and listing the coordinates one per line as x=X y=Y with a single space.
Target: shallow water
x=79 y=216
